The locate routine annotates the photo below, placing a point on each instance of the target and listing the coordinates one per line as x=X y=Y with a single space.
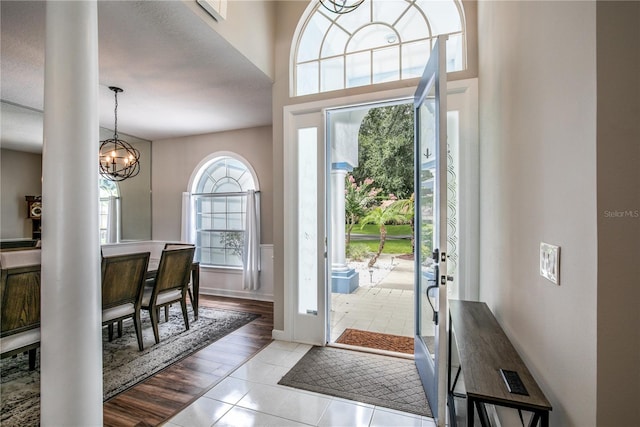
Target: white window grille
x=220 y=198
x=378 y=42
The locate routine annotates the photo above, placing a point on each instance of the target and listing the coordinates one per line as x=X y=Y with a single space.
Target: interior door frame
x=467 y=92
x=316 y=326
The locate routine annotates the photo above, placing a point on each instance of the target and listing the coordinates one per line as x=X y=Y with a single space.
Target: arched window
x=380 y=41
x=109 y=210
x=220 y=200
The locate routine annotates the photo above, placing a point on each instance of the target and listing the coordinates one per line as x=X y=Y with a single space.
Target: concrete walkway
x=386 y=305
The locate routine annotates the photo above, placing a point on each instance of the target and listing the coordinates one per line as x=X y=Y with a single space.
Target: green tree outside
x=381 y=216
x=358 y=200
x=385 y=151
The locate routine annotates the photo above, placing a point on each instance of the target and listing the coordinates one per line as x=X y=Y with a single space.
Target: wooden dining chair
x=122 y=288
x=20 y=311
x=170 y=285
x=180 y=246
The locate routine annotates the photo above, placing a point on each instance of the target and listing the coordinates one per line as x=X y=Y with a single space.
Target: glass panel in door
x=431 y=231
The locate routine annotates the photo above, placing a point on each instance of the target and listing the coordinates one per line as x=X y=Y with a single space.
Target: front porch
x=384 y=301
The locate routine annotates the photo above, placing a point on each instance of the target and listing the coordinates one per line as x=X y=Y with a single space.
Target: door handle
x=435 y=313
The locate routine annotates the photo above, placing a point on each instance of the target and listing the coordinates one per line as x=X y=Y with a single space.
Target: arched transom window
x=380 y=41
x=220 y=192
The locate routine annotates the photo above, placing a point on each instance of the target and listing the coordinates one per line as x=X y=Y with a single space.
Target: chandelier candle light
x=118 y=159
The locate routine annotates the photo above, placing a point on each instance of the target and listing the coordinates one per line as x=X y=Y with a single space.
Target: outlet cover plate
x=550 y=262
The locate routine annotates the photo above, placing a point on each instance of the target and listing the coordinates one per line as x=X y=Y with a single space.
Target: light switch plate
x=550 y=262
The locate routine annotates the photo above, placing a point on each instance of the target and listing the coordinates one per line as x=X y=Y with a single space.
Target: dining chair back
x=170 y=284
x=180 y=246
x=20 y=311
x=122 y=286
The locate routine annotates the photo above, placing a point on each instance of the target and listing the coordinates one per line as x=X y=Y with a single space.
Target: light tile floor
x=251 y=396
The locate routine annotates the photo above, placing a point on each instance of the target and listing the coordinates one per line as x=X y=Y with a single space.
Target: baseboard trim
x=237 y=294
x=280 y=335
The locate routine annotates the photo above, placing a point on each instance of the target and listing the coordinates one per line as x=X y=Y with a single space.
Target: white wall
x=228 y=282
x=20 y=175
x=174 y=160
x=258 y=16
x=537 y=74
x=213 y=281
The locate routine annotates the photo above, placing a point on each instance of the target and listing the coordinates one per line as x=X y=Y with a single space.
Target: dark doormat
x=376 y=340
x=386 y=381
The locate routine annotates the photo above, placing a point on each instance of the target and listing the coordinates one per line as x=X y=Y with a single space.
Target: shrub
x=357 y=251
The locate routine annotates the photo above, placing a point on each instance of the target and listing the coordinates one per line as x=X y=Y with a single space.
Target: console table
x=483 y=350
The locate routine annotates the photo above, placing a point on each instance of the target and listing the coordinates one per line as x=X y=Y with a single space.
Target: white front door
x=431 y=231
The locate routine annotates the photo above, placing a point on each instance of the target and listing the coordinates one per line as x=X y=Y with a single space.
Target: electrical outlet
x=550 y=262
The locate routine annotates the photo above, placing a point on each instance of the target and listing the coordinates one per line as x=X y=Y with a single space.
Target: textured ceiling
x=179 y=76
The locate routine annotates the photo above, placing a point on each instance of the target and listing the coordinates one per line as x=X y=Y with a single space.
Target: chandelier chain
x=115 y=113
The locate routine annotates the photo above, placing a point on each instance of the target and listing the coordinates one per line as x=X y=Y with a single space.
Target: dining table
x=152 y=271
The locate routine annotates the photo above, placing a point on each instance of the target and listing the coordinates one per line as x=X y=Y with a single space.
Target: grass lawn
x=392 y=230
x=400 y=246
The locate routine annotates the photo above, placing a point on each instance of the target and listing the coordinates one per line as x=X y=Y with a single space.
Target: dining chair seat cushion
x=19 y=340
x=117 y=312
x=163 y=297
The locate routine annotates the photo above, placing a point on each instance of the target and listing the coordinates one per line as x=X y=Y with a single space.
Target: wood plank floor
x=166 y=393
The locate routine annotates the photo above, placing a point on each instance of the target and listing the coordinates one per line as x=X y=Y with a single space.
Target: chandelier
x=341 y=6
x=118 y=159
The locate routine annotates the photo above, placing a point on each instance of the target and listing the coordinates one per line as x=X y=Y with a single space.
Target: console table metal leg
x=482 y=413
x=470 y=411
x=544 y=419
x=453 y=422
x=450 y=398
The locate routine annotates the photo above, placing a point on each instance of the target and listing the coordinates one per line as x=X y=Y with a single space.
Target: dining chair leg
x=183 y=304
x=166 y=313
x=137 y=325
x=32 y=359
x=193 y=303
x=110 y=329
x=154 y=324
x=119 y=328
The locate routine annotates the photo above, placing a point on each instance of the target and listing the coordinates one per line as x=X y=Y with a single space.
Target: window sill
x=226 y=269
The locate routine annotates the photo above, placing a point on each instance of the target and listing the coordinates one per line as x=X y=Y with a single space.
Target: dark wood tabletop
x=484 y=349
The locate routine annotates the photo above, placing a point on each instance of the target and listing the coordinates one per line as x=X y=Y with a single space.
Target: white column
x=71 y=347
x=338 y=254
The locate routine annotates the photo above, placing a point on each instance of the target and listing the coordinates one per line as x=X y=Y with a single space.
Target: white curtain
x=188 y=226
x=251 y=252
x=113 y=220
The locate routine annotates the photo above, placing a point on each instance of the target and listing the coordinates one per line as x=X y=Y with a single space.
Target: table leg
x=544 y=419
x=470 y=411
x=195 y=281
x=482 y=414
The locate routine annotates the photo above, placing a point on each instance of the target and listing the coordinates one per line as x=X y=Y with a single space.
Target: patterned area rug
x=385 y=381
x=376 y=340
x=123 y=365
